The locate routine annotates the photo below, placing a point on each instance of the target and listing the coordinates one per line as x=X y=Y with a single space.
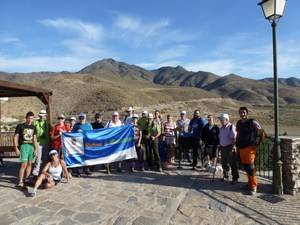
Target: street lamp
x=273 y=11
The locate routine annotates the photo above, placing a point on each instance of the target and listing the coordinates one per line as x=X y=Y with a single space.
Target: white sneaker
x=253 y=191
x=32 y=194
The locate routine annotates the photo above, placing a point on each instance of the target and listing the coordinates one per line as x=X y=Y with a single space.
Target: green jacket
x=42 y=131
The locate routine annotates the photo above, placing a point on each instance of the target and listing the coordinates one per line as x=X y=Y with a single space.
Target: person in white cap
x=128 y=117
x=114 y=122
x=51 y=173
x=72 y=122
x=43 y=138
x=153 y=133
x=227 y=138
x=82 y=125
x=182 y=127
x=56 y=132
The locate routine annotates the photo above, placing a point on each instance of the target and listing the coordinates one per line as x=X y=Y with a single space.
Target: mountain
x=179 y=76
x=120 y=69
x=252 y=91
x=291 y=81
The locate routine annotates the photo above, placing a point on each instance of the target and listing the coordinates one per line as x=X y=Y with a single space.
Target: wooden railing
x=7 y=145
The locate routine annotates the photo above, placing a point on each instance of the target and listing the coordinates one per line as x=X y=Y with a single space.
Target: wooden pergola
x=12 y=89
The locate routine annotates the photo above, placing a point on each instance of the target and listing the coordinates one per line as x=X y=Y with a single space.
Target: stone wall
x=290 y=150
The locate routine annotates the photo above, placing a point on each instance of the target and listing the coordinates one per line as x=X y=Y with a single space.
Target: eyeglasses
x=81 y=118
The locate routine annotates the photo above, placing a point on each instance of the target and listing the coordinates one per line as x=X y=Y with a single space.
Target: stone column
x=290 y=150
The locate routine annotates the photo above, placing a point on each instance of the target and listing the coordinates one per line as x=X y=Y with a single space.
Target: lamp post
x=273 y=11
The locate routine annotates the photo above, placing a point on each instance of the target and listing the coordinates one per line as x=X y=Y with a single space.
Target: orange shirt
x=55 y=130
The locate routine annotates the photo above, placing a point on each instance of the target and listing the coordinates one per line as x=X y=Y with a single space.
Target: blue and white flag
x=99 y=146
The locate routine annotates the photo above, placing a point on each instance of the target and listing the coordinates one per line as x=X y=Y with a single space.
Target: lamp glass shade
x=273 y=9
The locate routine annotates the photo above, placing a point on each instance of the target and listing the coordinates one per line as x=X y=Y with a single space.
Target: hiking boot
x=159 y=170
x=142 y=169
x=20 y=186
x=88 y=171
x=76 y=174
x=225 y=178
x=234 y=181
x=194 y=168
x=132 y=170
x=246 y=187
x=119 y=169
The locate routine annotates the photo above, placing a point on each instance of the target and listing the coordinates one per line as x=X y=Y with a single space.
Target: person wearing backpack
x=227 y=138
x=246 y=141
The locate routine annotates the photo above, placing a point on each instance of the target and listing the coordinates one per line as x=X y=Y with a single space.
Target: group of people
x=157 y=144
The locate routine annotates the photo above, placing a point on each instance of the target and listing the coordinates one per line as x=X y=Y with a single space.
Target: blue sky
x=220 y=36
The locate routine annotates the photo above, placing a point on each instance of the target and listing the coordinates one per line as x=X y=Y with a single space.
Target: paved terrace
x=144 y=198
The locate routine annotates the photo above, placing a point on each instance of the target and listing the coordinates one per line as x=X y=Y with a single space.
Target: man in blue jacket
x=195 y=127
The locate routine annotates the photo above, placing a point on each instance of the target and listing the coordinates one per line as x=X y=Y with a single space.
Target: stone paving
x=144 y=198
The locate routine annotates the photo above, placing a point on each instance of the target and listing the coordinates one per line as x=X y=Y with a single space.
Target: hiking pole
x=215 y=164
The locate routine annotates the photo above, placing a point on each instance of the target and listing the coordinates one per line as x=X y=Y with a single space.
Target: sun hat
x=61 y=116
x=42 y=113
x=73 y=118
x=223 y=116
x=135 y=116
x=150 y=116
x=130 y=109
x=182 y=112
x=53 y=152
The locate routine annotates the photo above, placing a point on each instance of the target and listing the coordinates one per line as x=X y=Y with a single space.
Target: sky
x=219 y=36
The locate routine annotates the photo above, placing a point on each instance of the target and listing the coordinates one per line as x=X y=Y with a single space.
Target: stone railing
x=290 y=150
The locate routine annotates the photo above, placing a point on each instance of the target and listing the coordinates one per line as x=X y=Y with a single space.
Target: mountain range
x=108 y=84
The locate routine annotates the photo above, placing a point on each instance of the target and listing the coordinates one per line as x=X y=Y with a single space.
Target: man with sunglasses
x=81 y=126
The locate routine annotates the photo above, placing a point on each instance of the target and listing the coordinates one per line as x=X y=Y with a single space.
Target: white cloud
x=139 y=33
x=83 y=30
x=84 y=47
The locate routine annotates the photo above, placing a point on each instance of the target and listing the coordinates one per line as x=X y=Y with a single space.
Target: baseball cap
x=73 y=118
x=135 y=116
x=223 y=116
x=145 y=112
x=53 y=152
x=150 y=116
x=61 y=116
x=42 y=113
x=115 y=113
x=182 y=112
x=82 y=115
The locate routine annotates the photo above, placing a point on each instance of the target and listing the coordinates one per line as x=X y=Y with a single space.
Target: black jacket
x=210 y=136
